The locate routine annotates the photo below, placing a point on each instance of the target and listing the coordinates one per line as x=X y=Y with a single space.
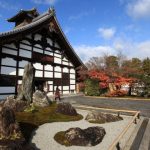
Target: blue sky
x=94 y=27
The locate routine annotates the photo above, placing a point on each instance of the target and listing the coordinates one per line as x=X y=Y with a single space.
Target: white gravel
x=43 y=136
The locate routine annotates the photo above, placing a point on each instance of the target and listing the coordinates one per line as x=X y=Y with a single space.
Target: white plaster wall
x=49 y=93
x=8 y=61
x=49 y=41
x=72 y=87
x=65 y=70
x=56 y=87
x=23 y=63
x=48 y=67
x=48 y=53
x=37 y=37
x=65 y=59
x=38 y=66
x=57 y=68
x=37 y=50
x=8 y=70
x=57 y=55
x=50 y=82
x=72 y=71
x=65 y=63
x=70 y=64
x=72 y=76
x=50 y=87
x=21 y=71
x=38 y=73
x=23 y=46
x=12 y=45
x=25 y=53
x=65 y=87
x=72 y=81
x=9 y=51
x=7 y=89
x=57 y=75
x=57 y=60
x=48 y=74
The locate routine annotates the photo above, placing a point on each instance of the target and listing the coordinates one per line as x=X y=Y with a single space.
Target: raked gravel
x=44 y=135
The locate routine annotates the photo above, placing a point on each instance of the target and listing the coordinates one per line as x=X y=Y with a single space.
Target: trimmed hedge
x=92 y=87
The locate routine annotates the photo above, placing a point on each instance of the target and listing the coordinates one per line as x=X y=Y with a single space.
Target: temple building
x=37 y=39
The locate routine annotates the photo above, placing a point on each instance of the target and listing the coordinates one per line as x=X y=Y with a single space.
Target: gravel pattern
x=43 y=136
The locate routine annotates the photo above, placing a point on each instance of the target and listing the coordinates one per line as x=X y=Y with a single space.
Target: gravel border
x=43 y=136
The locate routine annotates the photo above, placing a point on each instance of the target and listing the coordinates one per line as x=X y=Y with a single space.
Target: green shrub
x=92 y=87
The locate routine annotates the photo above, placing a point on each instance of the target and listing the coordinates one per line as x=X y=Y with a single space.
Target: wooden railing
x=116 y=144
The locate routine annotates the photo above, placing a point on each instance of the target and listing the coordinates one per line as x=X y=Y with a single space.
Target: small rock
x=40 y=99
x=66 y=109
x=87 y=137
x=99 y=117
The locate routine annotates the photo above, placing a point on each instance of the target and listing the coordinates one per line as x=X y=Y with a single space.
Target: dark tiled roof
x=38 y=20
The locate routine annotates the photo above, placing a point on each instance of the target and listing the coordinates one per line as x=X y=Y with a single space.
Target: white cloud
x=48 y=2
x=67 y=30
x=139 y=9
x=107 y=33
x=128 y=48
x=85 y=52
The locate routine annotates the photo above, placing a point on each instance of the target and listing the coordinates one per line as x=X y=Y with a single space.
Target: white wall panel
x=8 y=70
x=48 y=74
x=72 y=82
x=66 y=70
x=21 y=71
x=57 y=60
x=65 y=87
x=9 y=51
x=23 y=46
x=25 y=53
x=72 y=87
x=49 y=93
x=38 y=66
x=57 y=55
x=72 y=71
x=48 y=53
x=65 y=63
x=57 y=75
x=8 y=61
x=29 y=36
x=57 y=68
x=50 y=82
x=23 y=63
x=49 y=67
x=12 y=45
x=72 y=76
x=65 y=59
x=38 y=73
x=50 y=87
x=56 y=87
x=49 y=41
x=70 y=64
x=7 y=89
x=37 y=50
x=37 y=37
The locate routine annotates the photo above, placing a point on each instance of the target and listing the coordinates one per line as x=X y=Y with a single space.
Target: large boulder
x=40 y=99
x=26 y=90
x=84 y=137
x=66 y=109
x=98 y=117
x=14 y=104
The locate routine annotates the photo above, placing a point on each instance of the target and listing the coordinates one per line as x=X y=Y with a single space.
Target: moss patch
x=60 y=138
x=45 y=115
x=30 y=120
